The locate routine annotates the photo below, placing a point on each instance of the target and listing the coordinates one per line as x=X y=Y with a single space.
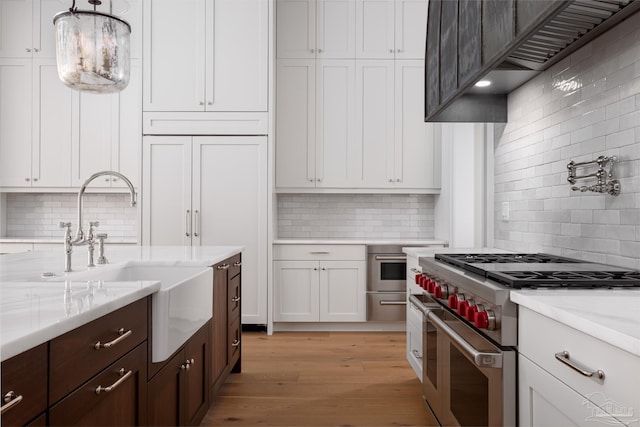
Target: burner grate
x=567 y=279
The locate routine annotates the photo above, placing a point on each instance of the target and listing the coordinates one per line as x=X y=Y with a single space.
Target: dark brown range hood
x=507 y=42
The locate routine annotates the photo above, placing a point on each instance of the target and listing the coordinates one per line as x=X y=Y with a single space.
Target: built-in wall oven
x=386 y=283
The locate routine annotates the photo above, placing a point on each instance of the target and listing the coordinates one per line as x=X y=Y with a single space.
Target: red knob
x=453 y=301
x=481 y=320
x=431 y=285
x=437 y=291
x=471 y=313
x=423 y=282
x=462 y=308
x=418 y=276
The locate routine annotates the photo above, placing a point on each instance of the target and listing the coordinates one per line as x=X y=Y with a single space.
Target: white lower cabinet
x=317 y=285
x=552 y=393
x=201 y=191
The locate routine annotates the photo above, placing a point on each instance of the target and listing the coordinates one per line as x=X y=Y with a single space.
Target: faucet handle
x=94 y=224
x=64 y=225
x=101 y=236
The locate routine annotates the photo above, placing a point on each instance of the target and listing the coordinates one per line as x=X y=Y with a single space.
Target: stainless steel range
x=471 y=326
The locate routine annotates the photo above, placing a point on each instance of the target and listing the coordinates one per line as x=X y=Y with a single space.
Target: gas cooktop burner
x=566 y=279
x=461 y=260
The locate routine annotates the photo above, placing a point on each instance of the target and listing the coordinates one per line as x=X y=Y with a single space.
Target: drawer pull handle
x=123 y=378
x=235 y=343
x=383 y=302
x=223 y=267
x=319 y=252
x=237 y=263
x=416 y=354
x=122 y=335
x=235 y=299
x=11 y=400
x=565 y=358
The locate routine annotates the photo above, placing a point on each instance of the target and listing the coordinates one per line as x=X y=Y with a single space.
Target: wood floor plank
x=321 y=379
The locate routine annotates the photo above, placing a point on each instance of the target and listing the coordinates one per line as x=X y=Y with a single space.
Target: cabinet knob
x=201 y=103
x=399 y=51
x=28 y=50
x=390 y=50
x=312 y=50
x=398 y=180
x=35 y=49
x=319 y=50
x=35 y=179
x=209 y=103
x=391 y=180
x=27 y=179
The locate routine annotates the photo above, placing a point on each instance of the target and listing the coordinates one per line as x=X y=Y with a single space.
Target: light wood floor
x=321 y=379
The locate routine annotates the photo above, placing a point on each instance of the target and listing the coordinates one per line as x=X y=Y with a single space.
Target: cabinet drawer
x=74 y=357
x=120 y=400
x=26 y=376
x=233 y=295
x=319 y=252
x=234 y=342
x=235 y=263
x=540 y=338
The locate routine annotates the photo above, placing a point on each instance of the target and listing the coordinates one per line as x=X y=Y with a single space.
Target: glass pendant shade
x=92 y=51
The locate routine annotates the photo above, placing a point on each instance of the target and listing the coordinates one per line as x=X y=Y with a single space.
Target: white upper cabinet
x=315 y=29
x=26 y=28
x=411 y=29
x=388 y=29
x=375 y=29
x=206 y=55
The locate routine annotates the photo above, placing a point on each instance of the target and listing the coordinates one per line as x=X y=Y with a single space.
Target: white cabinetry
x=50 y=135
x=200 y=190
x=319 y=283
x=551 y=393
x=309 y=29
x=414 y=319
x=206 y=66
x=109 y=133
x=344 y=122
x=388 y=29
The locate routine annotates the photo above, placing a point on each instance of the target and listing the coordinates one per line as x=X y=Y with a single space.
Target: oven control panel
x=467 y=306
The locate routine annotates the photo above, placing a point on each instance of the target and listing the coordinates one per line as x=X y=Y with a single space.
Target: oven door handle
x=390 y=258
x=483 y=359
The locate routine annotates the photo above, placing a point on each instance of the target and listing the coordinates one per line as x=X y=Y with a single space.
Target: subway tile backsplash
x=355 y=216
x=36 y=216
x=585 y=106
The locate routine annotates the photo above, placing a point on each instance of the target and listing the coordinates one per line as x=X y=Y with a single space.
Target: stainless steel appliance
x=470 y=326
x=386 y=283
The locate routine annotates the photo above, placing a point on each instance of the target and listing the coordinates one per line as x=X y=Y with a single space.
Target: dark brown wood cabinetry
x=115 y=397
x=179 y=393
x=226 y=330
x=24 y=386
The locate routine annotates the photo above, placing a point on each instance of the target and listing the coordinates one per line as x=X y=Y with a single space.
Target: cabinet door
x=230 y=205
x=343 y=291
x=196 y=389
x=174 y=55
x=15 y=29
x=338 y=147
x=166 y=190
x=411 y=29
x=546 y=401
x=164 y=394
x=237 y=55
x=15 y=121
x=295 y=291
x=123 y=405
x=296 y=28
x=336 y=21
x=374 y=116
x=296 y=124
x=44 y=34
x=375 y=29
x=53 y=132
x=417 y=155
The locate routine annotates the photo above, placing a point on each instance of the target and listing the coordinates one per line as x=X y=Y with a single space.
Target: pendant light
x=92 y=49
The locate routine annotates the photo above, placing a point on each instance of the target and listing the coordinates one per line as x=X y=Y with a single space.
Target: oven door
x=387 y=272
x=476 y=379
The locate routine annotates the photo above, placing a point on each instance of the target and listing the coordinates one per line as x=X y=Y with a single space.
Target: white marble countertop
x=400 y=242
x=612 y=316
x=34 y=310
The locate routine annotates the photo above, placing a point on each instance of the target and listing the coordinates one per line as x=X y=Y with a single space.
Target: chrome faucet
x=79 y=239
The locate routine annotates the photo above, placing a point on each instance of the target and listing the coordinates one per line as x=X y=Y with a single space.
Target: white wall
x=585 y=106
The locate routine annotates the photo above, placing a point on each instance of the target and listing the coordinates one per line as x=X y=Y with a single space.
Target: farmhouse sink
x=181 y=306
